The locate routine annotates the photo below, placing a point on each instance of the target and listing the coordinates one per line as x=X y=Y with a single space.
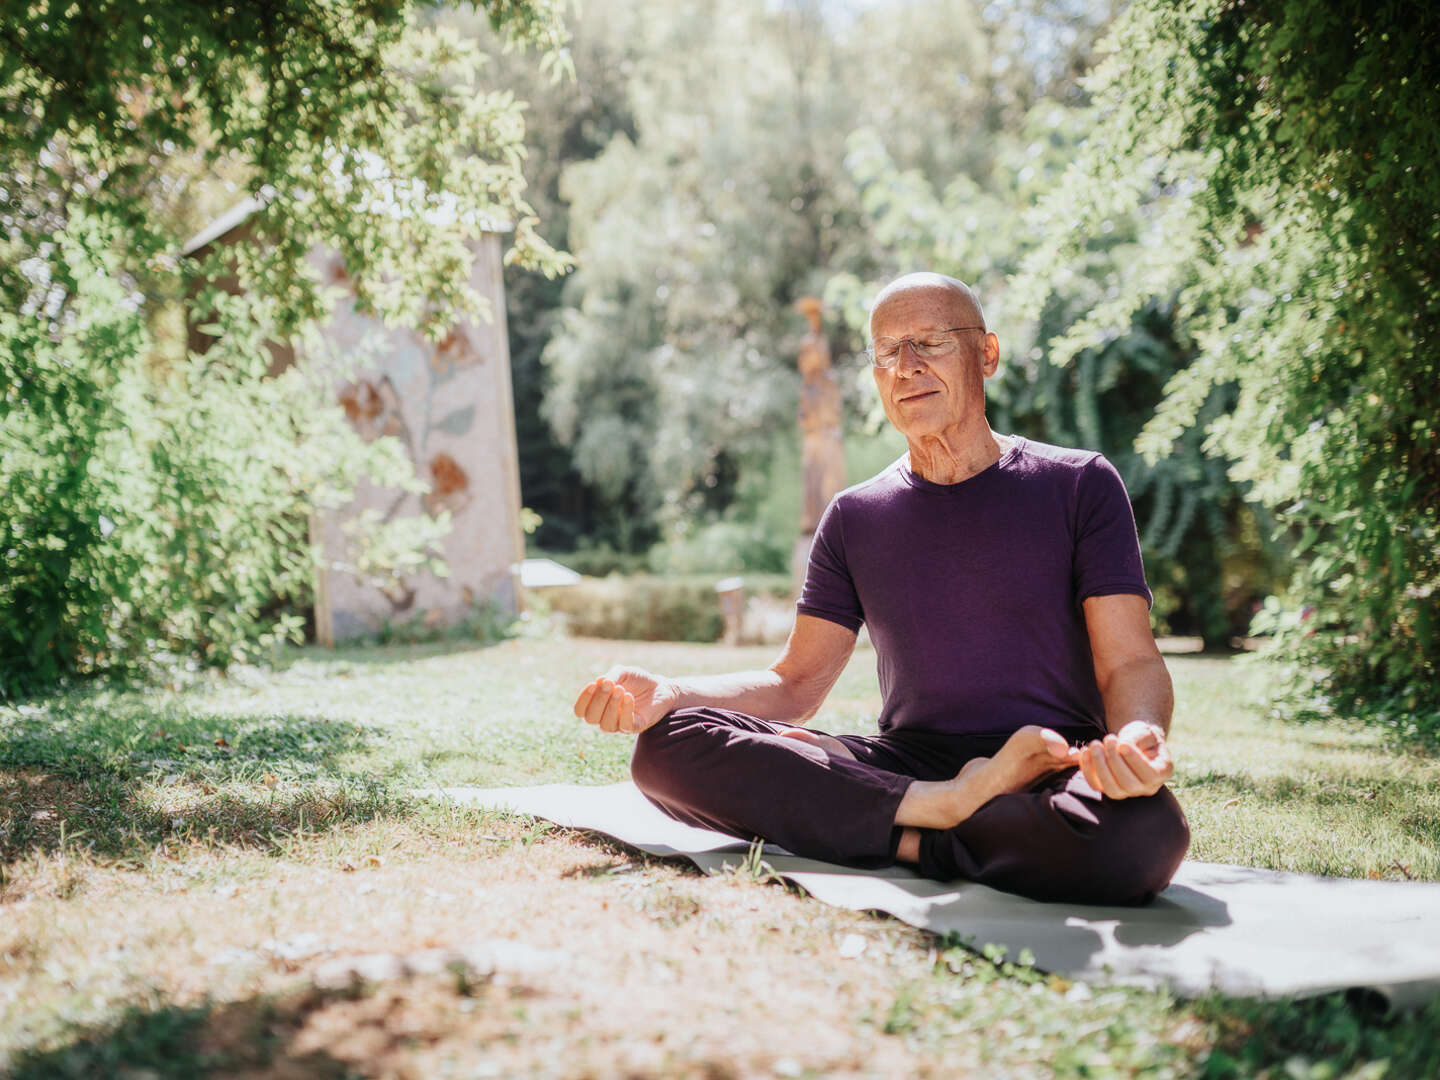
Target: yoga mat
x=1235 y=929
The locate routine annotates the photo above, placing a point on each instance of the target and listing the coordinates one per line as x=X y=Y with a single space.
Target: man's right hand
x=626 y=699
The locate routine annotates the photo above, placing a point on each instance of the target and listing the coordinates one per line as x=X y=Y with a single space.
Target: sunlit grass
x=151 y=843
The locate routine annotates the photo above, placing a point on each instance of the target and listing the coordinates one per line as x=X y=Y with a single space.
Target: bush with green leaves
x=145 y=521
x=1284 y=151
x=155 y=505
x=649 y=608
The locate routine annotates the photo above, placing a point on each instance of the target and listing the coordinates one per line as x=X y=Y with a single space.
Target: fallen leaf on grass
x=374 y=861
x=270 y=780
x=220 y=742
x=1233 y=802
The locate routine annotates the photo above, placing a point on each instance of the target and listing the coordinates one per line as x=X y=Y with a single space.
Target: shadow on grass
x=171 y=1040
x=115 y=774
x=322 y=1034
x=127 y=735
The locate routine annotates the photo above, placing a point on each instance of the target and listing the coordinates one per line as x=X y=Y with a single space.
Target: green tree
x=152 y=503
x=724 y=200
x=1292 y=141
x=566 y=121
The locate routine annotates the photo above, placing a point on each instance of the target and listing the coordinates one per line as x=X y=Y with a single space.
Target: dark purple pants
x=1060 y=840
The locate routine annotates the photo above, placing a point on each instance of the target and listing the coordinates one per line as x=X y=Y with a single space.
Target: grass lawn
x=174 y=866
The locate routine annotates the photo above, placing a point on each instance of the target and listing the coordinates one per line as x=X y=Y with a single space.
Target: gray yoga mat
x=1235 y=929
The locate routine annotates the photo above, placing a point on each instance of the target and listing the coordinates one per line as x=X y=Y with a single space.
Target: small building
x=451 y=407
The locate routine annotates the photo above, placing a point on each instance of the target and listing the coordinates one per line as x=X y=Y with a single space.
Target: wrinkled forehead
x=923 y=302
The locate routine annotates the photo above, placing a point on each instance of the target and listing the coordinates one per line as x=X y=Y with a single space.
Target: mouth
x=921 y=394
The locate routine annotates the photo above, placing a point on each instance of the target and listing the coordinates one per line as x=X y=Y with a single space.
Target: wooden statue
x=821 y=429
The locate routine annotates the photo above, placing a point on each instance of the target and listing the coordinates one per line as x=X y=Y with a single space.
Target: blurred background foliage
x=1205 y=232
x=722 y=166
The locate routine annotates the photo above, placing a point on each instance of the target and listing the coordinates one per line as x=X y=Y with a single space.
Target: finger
x=586 y=693
x=627 y=712
x=1108 y=785
x=1087 y=767
x=1162 y=763
x=610 y=719
x=1142 y=768
x=596 y=709
x=1120 y=769
x=1055 y=743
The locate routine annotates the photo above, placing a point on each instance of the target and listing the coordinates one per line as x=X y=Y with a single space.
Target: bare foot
x=828 y=743
x=1029 y=754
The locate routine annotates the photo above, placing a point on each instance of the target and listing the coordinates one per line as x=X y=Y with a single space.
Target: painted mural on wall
x=449 y=405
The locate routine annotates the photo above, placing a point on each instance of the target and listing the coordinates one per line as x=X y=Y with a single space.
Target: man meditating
x=1022 y=735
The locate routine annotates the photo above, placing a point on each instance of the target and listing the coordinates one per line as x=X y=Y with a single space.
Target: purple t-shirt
x=972 y=591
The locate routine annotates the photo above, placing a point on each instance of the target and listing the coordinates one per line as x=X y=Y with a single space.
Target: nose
x=907 y=366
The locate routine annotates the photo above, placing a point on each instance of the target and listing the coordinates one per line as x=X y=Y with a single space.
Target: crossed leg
x=1001 y=811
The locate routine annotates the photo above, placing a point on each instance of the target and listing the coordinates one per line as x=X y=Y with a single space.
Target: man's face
x=942 y=394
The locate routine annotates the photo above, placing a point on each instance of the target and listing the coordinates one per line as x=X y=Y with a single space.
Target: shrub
x=599 y=560
x=151 y=520
x=650 y=608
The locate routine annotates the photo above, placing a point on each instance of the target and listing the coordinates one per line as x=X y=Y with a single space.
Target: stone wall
x=450 y=405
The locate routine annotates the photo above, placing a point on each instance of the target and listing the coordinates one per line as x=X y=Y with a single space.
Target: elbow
x=806 y=712
x=802 y=704
x=1148 y=670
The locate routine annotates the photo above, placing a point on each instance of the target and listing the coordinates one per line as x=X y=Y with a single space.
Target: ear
x=992 y=355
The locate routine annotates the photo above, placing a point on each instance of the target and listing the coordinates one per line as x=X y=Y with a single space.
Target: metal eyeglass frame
x=924 y=352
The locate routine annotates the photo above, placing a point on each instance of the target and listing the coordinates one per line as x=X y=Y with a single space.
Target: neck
x=952 y=457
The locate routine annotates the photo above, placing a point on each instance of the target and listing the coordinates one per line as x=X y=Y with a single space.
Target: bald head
x=954 y=293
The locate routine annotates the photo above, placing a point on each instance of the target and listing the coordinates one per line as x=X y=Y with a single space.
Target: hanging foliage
x=1290 y=145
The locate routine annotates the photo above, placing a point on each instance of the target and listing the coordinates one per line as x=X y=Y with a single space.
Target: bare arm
x=792 y=688
x=1134 y=759
x=1134 y=682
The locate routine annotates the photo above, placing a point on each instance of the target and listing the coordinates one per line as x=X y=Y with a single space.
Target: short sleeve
x=1107 y=546
x=829 y=591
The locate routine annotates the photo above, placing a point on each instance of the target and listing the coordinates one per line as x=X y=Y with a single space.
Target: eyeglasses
x=885 y=352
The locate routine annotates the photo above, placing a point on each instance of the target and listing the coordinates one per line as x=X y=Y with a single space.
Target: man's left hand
x=1129 y=764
